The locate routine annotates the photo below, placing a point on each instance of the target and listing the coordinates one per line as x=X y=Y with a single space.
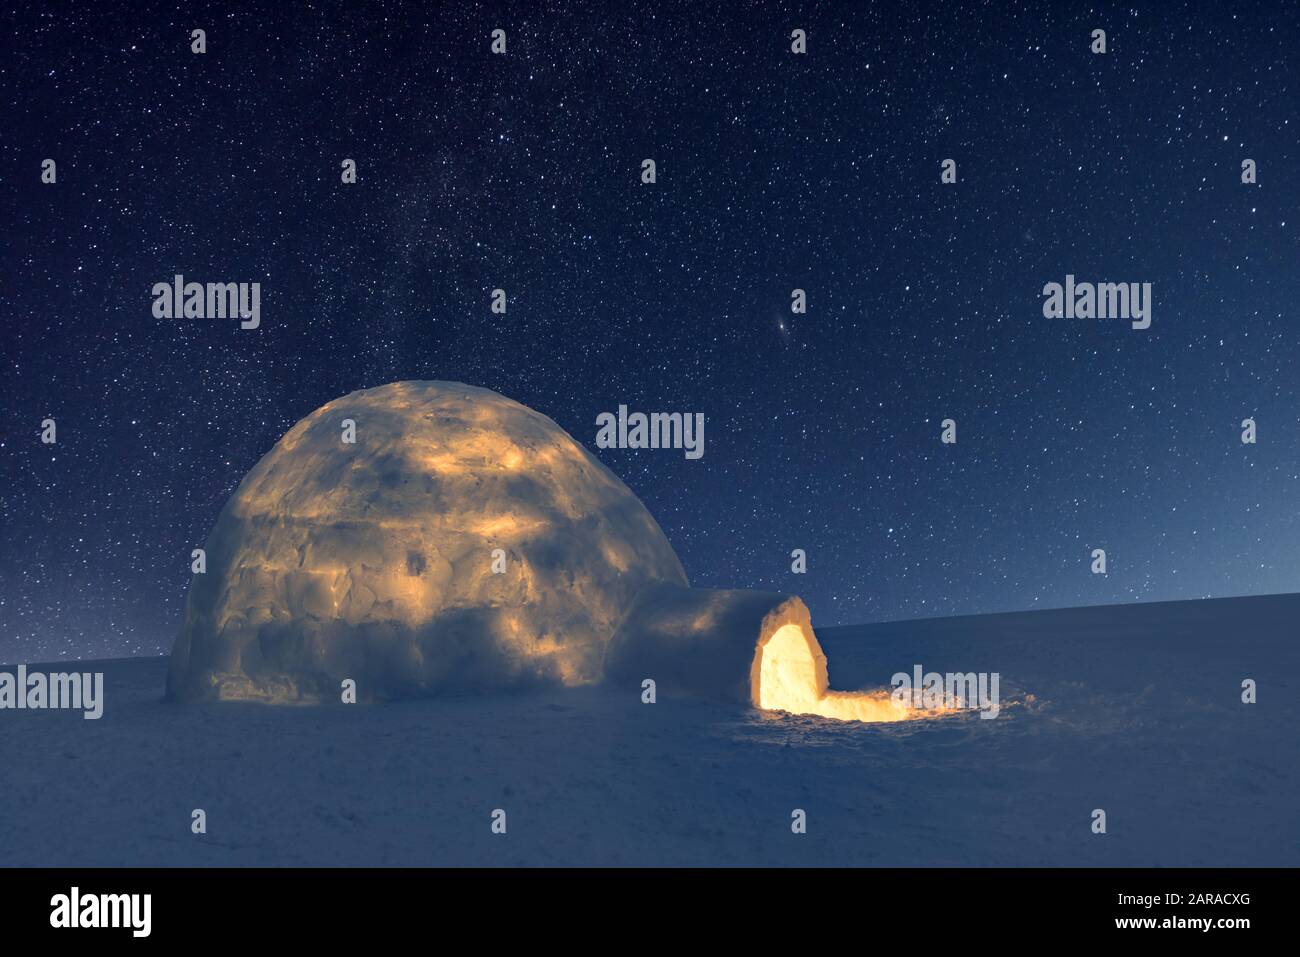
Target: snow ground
x=1135 y=709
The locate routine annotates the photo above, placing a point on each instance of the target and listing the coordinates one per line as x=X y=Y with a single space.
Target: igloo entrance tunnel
x=464 y=541
x=751 y=647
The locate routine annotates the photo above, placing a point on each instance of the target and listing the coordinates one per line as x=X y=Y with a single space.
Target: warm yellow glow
x=616 y=558
x=552 y=651
x=787 y=676
x=467 y=453
x=792 y=678
x=507 y=526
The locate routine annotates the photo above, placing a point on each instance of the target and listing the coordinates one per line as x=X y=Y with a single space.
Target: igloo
x=377 y=560
x=430 y=537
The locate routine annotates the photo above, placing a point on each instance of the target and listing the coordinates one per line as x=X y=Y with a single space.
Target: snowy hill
x=1132 y=709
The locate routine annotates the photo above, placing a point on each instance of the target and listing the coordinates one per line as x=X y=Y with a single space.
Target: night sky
x=775 y=171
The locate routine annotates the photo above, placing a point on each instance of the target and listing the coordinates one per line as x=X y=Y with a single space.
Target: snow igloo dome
x=461 y=540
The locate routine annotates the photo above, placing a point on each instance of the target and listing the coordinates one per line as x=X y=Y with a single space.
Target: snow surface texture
x=373 y=560
x=1135 y=709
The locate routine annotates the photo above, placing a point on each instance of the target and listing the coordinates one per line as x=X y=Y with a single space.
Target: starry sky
x=776 y=171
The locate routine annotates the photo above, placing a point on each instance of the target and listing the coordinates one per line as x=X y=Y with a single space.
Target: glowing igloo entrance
x=756 y=648
x=790 y=675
